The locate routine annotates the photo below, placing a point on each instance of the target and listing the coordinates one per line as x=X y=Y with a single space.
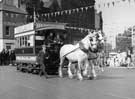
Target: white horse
x=74 y=53
x=99 y=60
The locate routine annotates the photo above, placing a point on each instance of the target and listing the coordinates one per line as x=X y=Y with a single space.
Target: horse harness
x=82 y=48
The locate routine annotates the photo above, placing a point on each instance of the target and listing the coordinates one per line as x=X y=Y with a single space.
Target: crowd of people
x=121 y=59
x=7 y=57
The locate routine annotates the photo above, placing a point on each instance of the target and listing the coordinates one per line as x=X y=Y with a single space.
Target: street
x=113 y=83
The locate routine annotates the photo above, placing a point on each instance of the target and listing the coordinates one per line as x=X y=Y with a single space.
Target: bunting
x=70 y=11
x=77 y=10
x=107 y=3
x=78 y=28
x=98 y=6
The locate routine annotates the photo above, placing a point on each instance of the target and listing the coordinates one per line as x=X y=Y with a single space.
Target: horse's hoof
x=71 y=77
x=102 y=70
x=60 y=76
x=84 y=73
x=88 y=76
x=80 y=79
x=92 y=78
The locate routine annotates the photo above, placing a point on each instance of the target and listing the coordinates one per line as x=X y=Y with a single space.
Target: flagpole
x=34 y=15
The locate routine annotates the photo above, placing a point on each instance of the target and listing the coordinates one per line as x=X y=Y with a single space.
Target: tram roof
x=39 y=26
x=50 y=25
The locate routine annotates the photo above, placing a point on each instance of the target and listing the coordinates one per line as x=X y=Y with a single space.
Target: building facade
x=124 y=40
x=12 y=14
x=10 y=17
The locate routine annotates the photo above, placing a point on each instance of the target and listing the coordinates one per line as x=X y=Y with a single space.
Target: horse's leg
x=70 y=75
x=128 y=62
x=79 y=71
x=60 y=67
x=102 y=65
x=93 y=73
x=85 y=72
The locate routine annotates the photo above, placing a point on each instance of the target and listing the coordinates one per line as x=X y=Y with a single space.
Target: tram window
x=17 y=42
x=20 y=41
x=31 y=40
x=28 y=38
x=24 y=41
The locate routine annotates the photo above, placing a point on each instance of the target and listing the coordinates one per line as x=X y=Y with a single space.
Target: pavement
x=111 y=84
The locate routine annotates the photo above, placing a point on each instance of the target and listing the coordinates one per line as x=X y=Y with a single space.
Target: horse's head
x=92 y=39
x=100 y=37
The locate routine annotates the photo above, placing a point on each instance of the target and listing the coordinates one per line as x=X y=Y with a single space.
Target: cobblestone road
x=111 y=84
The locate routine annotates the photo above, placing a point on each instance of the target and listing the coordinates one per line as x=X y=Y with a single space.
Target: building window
x=8 y=47
x=9 y=2
x=7 y=30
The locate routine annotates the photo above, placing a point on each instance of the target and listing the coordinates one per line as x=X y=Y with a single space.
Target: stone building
x=10 y=17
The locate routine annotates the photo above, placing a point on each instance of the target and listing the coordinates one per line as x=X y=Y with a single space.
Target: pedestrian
x=7 y=57
x=0 y=58
x=42 y=59
x=3 y=57
x=100 y=59
x=128 y=58
x=11 y=57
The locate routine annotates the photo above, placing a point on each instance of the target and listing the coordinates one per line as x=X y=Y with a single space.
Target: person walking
x=0 y=58
x=3 y=57
x=11 y=57
x=43 y=57
x=128 y=58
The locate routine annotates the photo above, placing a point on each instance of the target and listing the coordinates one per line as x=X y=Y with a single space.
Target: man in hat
x=43 y=57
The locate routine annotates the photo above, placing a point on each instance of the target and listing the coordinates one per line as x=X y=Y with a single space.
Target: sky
x=117 y=17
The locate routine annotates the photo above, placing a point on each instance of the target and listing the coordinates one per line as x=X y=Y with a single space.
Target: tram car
x=29 y=39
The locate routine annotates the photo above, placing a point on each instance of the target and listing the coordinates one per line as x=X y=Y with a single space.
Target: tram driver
x=50 y=38
x=58 y=40
x=42 y=59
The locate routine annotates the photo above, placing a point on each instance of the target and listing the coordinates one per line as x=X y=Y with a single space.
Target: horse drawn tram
x=29 y=39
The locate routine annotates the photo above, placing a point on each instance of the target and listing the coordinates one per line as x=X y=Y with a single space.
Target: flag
x=69 y=11
x=108 y=4
x=82 y=8
x=113 y=3
x=86 y=8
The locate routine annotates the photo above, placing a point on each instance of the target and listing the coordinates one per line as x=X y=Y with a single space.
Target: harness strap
x=71 y=51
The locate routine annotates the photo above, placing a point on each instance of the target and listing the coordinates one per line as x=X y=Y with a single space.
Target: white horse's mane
x=86 y=40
